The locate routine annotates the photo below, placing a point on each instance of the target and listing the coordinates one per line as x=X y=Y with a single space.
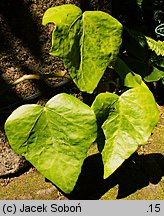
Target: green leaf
x=128 y=77
x=159 y=62
x=128 y=126
x=155 y=75
x=66 y=35
x=156 y=46
x=102 y=106
x=133 y=80
x=142 y=68
x=54 y=138
x=87 y=42
x=135 y=44
x=139 y=2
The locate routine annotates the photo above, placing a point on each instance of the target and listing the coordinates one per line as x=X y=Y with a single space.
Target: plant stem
x=41 y=76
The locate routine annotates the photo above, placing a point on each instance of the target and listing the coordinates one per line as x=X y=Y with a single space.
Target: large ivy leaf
x=54 y=138
x=155 y=75
x=87 y=42
x=129 y=125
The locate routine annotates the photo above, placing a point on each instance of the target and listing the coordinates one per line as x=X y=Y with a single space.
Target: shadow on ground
x=135 y=173
x=22 y=24
x=19 y=32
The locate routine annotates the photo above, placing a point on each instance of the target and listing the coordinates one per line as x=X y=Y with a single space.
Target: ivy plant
x=87 y=42
x=56 y=138
x=129 y=123
x=144 y=55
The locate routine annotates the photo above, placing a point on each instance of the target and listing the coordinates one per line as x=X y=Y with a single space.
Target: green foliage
x=87 y=42
x=127 y=76
x=141 y=41
x=54 y=138
x=135 y=44
x=139 y=2
x=156 y=46
x=155 y=75
x=57 y=137
x=144 y=56
x=132 y=116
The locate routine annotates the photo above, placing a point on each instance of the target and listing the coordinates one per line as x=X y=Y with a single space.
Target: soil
x=24 y=49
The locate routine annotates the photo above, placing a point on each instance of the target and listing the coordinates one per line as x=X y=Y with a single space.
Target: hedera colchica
x=57 y=137
x=144 y=55
x=130 y=121
x=54 y=138
x=87 y=42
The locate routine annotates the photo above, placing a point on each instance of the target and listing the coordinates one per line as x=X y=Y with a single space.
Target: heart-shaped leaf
x=54 y=138
x=130 y=122
x=87 y=42
x=128 y=119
